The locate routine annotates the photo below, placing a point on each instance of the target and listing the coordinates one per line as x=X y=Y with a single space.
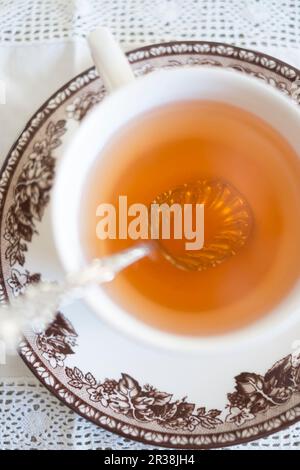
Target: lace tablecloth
x=41 y=47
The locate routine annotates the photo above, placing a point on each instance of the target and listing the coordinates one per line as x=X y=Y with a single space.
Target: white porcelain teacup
x=129 y=99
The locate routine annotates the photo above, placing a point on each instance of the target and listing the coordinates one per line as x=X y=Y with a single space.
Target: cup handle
x=111 y=62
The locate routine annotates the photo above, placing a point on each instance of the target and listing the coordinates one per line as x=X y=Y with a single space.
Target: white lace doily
x=252 y=23
x=30 y=417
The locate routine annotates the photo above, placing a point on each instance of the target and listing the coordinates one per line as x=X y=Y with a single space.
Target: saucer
x=156 y=397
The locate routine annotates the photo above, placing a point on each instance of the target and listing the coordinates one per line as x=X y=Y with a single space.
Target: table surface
x=42 y=46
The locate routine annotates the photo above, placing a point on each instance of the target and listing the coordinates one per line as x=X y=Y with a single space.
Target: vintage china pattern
x=122 y=404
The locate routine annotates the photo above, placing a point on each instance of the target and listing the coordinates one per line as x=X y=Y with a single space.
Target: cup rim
x=95 y=295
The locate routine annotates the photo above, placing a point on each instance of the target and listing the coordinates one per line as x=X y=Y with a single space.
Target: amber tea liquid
x=183 y=143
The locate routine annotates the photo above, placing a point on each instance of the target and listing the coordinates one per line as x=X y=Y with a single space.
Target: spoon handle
x=38 y=305
x=105 y=269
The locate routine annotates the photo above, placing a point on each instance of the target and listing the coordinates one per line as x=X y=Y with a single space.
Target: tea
x=183 y=143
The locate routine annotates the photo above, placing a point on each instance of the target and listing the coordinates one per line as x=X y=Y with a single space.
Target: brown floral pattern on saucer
x=255 y=405
x=31 y=194
x=253 y=394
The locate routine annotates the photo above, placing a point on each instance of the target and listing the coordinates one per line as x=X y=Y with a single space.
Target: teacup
x=129 y=99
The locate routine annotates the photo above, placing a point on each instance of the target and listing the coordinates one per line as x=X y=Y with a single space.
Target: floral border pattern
x=31 y=194
x=253 y=393
x=136 y=431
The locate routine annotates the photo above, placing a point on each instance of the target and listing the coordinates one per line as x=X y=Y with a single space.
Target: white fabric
x=42 y=47
x=268 y=23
